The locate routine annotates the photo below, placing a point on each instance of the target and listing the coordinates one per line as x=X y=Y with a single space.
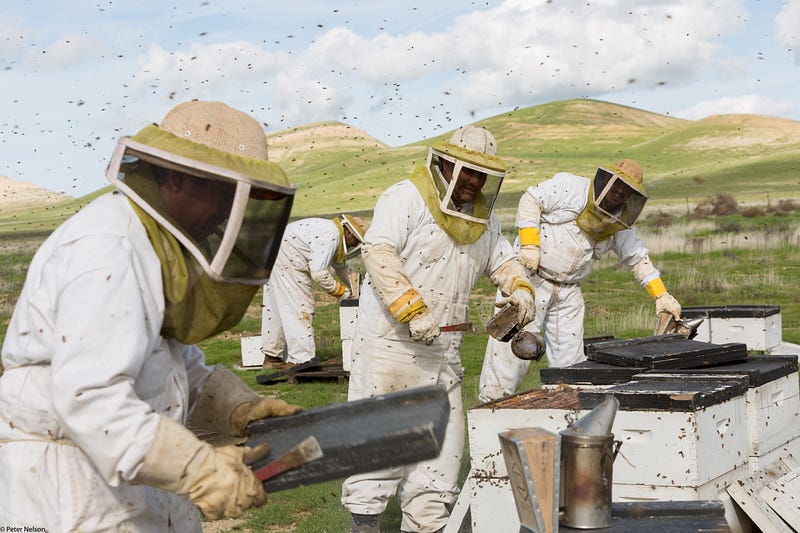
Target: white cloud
x=787 y=26
x=744 y=104
x=68 y=51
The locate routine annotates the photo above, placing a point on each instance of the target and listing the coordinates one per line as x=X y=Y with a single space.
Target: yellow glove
x=666 y=303
x=217 y=480
x=258 y=409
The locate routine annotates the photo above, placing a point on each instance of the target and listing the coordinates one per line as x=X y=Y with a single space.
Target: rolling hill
x=338 y=167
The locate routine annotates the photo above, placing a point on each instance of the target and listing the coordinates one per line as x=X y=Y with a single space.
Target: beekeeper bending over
x=311 y=248
x=431 y=237
x=101 y=372
x=564 y=223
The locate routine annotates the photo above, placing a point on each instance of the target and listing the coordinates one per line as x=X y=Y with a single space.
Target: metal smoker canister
x=588 y=451
x=586 y=480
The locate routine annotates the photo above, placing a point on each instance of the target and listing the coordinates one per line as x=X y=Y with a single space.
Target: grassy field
x=742 y=247
x=705 y=260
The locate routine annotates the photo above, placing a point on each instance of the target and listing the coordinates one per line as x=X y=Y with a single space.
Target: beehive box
x=693 y=446
x=348 y=315
x=492 y=505
x=682 y=452
x=772 y=398
x=759 y=326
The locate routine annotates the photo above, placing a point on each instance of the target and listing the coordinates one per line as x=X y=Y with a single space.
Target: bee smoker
x=588 y=450
x=525 y=344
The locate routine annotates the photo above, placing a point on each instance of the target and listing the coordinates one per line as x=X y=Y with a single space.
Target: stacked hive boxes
x=686 y=433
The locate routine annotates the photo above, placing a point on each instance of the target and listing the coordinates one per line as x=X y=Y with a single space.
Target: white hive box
x=348 y=316
x=252 y=356
x=685 y=453
x=758 y=326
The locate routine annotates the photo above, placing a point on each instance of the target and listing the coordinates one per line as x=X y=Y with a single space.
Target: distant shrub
x=752 y=212
x=659 y=220
x=787 y=205
x=719 y=205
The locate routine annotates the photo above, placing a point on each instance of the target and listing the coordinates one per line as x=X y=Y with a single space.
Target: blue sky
x=74 y=76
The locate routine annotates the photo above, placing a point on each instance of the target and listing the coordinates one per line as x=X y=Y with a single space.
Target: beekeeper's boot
x=364 y=523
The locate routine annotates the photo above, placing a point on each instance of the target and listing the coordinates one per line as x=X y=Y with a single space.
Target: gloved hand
x=529 y=257
x=666 y=303
x=217 y=480
x=522 y=299
x=346 y=295
x=222 y=485
x=226 y=405
x=258 y=409
x=424 y=328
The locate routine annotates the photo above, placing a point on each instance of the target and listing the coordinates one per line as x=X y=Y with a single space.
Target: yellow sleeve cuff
x=655 y=288
x=338 y=290
x=529 y=236
x=520 y=283
x=407 y=306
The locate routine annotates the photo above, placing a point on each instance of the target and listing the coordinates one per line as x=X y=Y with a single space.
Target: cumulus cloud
x=787 y=27
x=515 y=53
x=744 y=104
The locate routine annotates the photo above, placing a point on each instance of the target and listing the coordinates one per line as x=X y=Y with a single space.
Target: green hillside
x=342 y=168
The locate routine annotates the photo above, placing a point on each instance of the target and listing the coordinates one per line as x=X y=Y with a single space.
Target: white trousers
x=559 y=316
x=287 y=330
x=424 y=489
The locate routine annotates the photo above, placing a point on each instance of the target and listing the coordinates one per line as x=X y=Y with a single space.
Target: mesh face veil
x=357 y=227
x=618 y=193
x=477 y=173
x=207 y=182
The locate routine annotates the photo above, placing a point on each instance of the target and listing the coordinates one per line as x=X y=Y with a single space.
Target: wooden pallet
x=326 y=370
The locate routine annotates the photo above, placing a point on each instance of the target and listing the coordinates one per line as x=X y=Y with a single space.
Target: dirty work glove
x=424 y=328
x=666 y=303
x=217 y=480
x=529 y=257
x=223 y=486
x=522 y=299
x=258 y=409
x=346 y=295
x=226 y=405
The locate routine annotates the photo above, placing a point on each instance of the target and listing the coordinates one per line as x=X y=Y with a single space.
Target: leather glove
x=666 y=303
x=522 y=299
x=258 y=409
x=222 y=485
x=217 y=480
x=529 y=257
x=424 y=328
x=226 y=405
x=346 y=295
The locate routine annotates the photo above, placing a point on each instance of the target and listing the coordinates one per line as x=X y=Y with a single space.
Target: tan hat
x=218 y=126
x=476 y=139
x=630 y=169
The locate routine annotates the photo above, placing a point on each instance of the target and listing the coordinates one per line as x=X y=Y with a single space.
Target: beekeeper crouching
x=102 y=374
x=431 y=237
x=564 y=223
x=312 y=250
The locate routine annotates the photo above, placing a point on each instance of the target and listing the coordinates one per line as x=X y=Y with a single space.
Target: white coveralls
x=386 y=359
x=87 y=378
x=566 y=260
x=306 y=254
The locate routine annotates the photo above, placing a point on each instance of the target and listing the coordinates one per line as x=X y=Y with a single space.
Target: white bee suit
x=87 y=378
x=306 y=254
x=386 y=359
x=566 y=260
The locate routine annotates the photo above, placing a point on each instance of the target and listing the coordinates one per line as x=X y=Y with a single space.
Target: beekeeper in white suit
x=311 y=249
x=563 y=224
x=101 y=372
x=431 y=237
